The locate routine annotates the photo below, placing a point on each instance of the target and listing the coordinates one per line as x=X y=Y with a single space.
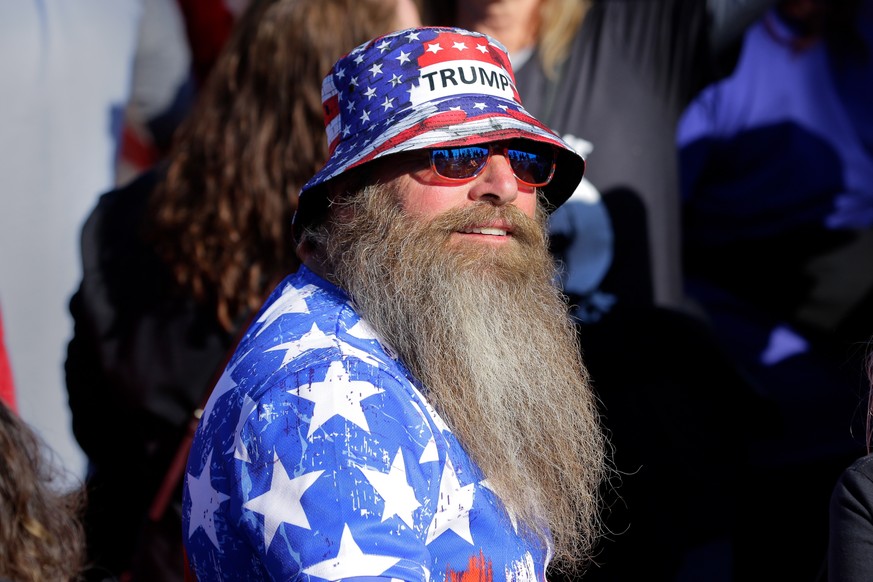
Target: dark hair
x=869 y=426
x=41 y=535
x=221 y=217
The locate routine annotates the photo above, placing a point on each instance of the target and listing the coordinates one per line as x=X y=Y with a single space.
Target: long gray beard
x=487 y=333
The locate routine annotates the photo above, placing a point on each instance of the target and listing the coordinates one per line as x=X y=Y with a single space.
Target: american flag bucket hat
x=424 y=88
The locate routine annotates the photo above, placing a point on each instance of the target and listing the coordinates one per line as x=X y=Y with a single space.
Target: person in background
x=412 y=403
x=41 y=537
x=612 y=77
x=174 y=263
x=209 y=24
x=776 y=163
x=850 y=540
x=162 y=90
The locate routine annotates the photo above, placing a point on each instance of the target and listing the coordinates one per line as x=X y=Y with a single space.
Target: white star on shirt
x=387 y=104
x=350 y=351
x=240 y=452
x=370 y=93
x=351 y=561
x=225 y=384
x=314 y=339
x=481 y=48
x=363 y=330
x=503 y=107
x=359 y=59
x=340 y=73
x=403 y=58
x=479 y=106
x=292 y=300
x=412 y=36
x=396 y=80
x=350 y=106
x=204 y=502
x=383 y=46
x=434 y=48
x=429 y=454
x=376 y=69
x=394 y=490
x=459 y=46
x=453 y=508
x=365 y=116
x=281 y=502
x=337 y=395
x=353 y=82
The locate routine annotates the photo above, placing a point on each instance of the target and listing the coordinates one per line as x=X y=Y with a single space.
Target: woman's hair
x=221 y=217
x=560 y=20
x=41 y=535
x=558 y=24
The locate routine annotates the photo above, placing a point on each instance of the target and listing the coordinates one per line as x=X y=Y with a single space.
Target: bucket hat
x=424 y=88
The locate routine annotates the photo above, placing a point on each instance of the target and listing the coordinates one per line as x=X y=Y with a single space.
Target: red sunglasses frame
x=503 y=148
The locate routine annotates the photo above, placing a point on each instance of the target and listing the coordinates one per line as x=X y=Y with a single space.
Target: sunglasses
x=533 y=163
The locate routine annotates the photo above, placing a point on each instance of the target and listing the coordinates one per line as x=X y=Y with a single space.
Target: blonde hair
x=559 y=22
x=557 y=25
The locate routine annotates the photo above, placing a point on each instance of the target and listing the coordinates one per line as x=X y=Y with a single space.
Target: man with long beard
x=411 y=404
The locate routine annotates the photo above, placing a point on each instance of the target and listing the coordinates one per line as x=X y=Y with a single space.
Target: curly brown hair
x=221 y=216
x=41 y=535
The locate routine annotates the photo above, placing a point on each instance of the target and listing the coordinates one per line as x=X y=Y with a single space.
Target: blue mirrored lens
x=531 y=162
x=459 y=163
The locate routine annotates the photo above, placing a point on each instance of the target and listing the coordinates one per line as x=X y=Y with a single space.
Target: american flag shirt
x=318 y=458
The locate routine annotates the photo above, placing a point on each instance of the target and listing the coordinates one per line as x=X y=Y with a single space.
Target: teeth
x=491 y=231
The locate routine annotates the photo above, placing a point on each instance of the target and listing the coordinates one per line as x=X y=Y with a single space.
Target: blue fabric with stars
x=318 y=458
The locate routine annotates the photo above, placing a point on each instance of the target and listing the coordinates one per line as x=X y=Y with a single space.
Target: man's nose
x=496 y=184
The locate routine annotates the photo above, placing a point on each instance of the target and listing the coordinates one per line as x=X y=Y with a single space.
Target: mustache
x=524 y=229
